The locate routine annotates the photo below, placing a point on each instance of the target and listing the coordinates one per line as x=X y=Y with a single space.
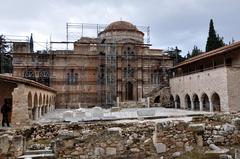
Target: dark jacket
x=5 y=109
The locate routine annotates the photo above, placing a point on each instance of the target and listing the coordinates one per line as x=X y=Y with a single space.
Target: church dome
x=121 y=25
x=121 y=30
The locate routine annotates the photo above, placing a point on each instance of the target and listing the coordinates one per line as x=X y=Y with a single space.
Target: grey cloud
x=182 y=23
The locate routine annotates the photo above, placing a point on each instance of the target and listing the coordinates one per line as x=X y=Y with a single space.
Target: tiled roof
x=222 y=50
x=9 y=78
x=121 y=26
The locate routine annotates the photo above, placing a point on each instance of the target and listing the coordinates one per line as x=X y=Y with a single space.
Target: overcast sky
x=182 y=23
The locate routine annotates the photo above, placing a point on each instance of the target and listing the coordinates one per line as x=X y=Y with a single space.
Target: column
x=211 y=106
x=36 y=113
x=148 y=102
x=192 y=105
x=39 y=112
x=118 y=102
x=201 y=105
x=175 y=102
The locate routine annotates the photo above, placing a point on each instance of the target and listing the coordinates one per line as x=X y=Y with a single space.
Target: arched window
x=44 y=77
x=72 y=78
x=129 y=52
x=155 y=77
x=128 y=71
x=29 y=74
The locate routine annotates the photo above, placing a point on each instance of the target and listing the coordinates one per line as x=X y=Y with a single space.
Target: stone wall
x=164 y=97
x=208 y=82
x=125 y=140
x=233 y=88
x=28 y=99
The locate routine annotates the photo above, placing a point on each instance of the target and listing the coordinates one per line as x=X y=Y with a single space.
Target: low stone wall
x=125 y=140
x=11 y=144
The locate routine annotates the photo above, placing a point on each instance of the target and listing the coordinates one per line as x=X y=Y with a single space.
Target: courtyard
x=156 y=114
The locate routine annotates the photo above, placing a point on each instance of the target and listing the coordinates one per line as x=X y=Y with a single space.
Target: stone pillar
x=211 y=106
x=175 y=104
x=201 y=105
x=192 y=105
x=118 y=102
x=36 y=113
x=20 y=115
x=148 y=102
x=40 y=111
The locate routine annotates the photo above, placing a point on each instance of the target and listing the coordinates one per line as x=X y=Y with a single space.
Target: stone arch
x=216 y=102
x=205 y=102
x=196 y=102
x=30 y=105
x=171 y=101
x=35 y=107
x=178 y=102
x=188 y=102
x=157 y=99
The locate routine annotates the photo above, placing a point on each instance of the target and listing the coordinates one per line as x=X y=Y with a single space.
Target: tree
x=196 y=51
x=31 y=44
x=175 y=55
x=6 y=59
x=3 y=44
x=214 y=41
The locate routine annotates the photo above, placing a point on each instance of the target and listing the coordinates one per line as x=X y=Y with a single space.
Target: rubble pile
x=169 y=139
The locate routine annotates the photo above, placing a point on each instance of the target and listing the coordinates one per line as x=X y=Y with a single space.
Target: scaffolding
x=106 y=75
x=106 y=68
x=74 y=31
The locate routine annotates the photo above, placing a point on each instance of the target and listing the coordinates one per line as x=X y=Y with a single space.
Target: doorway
x=129 y=91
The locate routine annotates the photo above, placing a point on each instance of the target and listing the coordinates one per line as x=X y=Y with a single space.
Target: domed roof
x=121 y=25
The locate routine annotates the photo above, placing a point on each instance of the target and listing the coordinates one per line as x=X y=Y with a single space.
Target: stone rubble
x=168 y=139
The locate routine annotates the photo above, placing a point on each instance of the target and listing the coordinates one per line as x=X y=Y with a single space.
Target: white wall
x=208 y=82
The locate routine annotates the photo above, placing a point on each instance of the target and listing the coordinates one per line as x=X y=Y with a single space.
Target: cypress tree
x=31 y=43
x=214 y=41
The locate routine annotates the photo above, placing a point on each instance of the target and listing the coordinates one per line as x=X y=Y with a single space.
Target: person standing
x=5 y=110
